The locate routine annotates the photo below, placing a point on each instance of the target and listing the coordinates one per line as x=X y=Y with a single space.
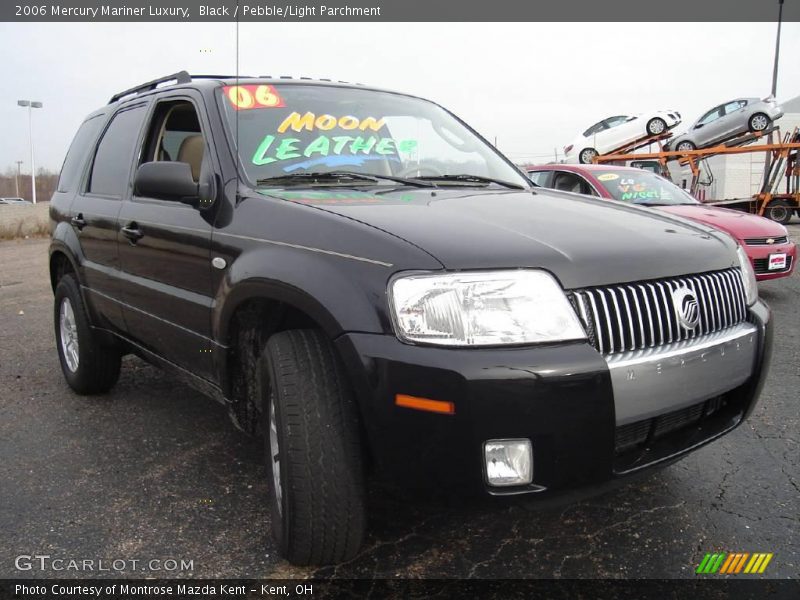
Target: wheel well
x=59 y=266
x=251 y=325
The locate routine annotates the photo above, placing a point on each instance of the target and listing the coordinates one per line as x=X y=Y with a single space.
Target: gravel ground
x=156 y=471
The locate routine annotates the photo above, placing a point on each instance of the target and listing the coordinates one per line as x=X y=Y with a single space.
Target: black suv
x=366 y=282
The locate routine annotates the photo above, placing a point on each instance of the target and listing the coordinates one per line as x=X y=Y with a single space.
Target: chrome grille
x=625 y=317
x=763 y=241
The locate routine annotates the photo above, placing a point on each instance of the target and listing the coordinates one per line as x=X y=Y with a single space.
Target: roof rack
x=184 y=77
x=179 y=77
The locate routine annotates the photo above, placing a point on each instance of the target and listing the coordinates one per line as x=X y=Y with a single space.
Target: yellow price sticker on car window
x=607 y=177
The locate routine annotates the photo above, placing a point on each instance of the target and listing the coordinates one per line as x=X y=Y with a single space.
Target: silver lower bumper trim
x=654 y=381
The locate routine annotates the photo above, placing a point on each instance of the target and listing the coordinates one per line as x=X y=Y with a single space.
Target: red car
x=766 y=242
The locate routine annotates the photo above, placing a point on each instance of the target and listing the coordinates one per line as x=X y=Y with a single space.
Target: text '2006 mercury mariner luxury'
x=372 y=287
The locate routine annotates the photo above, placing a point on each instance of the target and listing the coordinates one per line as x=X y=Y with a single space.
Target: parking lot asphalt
x=154 y=470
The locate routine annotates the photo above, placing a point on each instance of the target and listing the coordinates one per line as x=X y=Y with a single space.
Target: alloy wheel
x=275 y=453
x=68 y=329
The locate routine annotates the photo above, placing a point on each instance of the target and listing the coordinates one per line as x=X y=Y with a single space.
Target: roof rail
x=221 y=76
x=179 y=77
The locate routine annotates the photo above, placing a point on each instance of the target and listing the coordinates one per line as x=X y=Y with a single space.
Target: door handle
x=78 y=221
x=132 y=232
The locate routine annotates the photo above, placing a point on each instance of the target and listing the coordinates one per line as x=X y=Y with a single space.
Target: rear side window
x=112 y=161
x=77 y=153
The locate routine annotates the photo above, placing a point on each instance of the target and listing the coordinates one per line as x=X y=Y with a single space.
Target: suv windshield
x=289 y=129
x=642 y=187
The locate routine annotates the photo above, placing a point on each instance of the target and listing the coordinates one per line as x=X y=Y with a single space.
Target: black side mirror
x=698 y=126
x=167 y=180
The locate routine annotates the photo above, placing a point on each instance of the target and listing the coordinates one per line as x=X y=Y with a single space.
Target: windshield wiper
x=466 y=178
x=337 y=177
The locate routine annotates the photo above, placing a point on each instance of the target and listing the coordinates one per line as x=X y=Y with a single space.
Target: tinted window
x=614 y=121
x=538 y=177
x=710 y=116
x=570 y=182
x=596 y=128
x=112 y=161
x=77 y=153
x=734 y=106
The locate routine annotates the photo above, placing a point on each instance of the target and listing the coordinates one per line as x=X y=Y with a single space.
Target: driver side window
x=711 y=116
x=175 y=135
x=596 y=128
x=571 y=182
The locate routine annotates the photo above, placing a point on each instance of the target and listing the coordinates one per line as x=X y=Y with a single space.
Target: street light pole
x=16 y=179
x=30 y=106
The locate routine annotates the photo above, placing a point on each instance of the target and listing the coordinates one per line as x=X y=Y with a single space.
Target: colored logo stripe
x=711 y=563
x=758 y=563
x=734 y=563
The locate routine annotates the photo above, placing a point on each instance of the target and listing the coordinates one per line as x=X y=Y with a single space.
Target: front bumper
x=561 y=397
x=759 y=258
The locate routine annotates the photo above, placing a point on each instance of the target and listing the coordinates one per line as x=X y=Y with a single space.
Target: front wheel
x=780 y=211
x=684 y=146
x=656 y=126
x=758 y=122
x=587 y=155
x=313 y=449
x=88 y=366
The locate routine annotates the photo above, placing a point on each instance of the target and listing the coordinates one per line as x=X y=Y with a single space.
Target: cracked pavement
x=156 y=470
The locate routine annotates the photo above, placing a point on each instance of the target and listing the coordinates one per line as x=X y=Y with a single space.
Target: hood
x=582 y=241
x=738 y=224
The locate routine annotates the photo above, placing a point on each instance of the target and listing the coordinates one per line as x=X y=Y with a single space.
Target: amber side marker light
x=436 y=406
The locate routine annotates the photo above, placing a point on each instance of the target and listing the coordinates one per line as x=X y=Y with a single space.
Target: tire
x=586 y=156
x=656 y=126
x=311 y=427
x=685 y=145
x=92 y=368
x=759 y=122
x=779 y=211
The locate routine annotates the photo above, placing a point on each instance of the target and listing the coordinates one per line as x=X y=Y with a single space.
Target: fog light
x=508 y=462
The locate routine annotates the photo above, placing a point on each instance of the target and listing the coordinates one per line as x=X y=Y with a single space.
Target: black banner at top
x=397 y=10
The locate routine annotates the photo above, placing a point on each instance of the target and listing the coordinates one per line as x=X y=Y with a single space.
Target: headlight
x=748 y=277
x=482 y=309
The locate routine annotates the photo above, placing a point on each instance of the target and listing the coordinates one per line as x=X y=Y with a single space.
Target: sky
x=531 y=86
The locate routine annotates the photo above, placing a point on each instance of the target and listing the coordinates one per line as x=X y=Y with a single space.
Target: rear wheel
x=779 y=211
x=313 y=449
x=759 y=122
x=88 y=366
x=587 y=155
x=656 y=126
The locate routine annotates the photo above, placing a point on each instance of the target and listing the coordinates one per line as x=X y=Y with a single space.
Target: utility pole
x=30 y=105
x=16 y=179
x=767 y=158
x=777 y=49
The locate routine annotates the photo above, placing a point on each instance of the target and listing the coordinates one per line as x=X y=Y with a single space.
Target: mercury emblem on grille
x=687 y=310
